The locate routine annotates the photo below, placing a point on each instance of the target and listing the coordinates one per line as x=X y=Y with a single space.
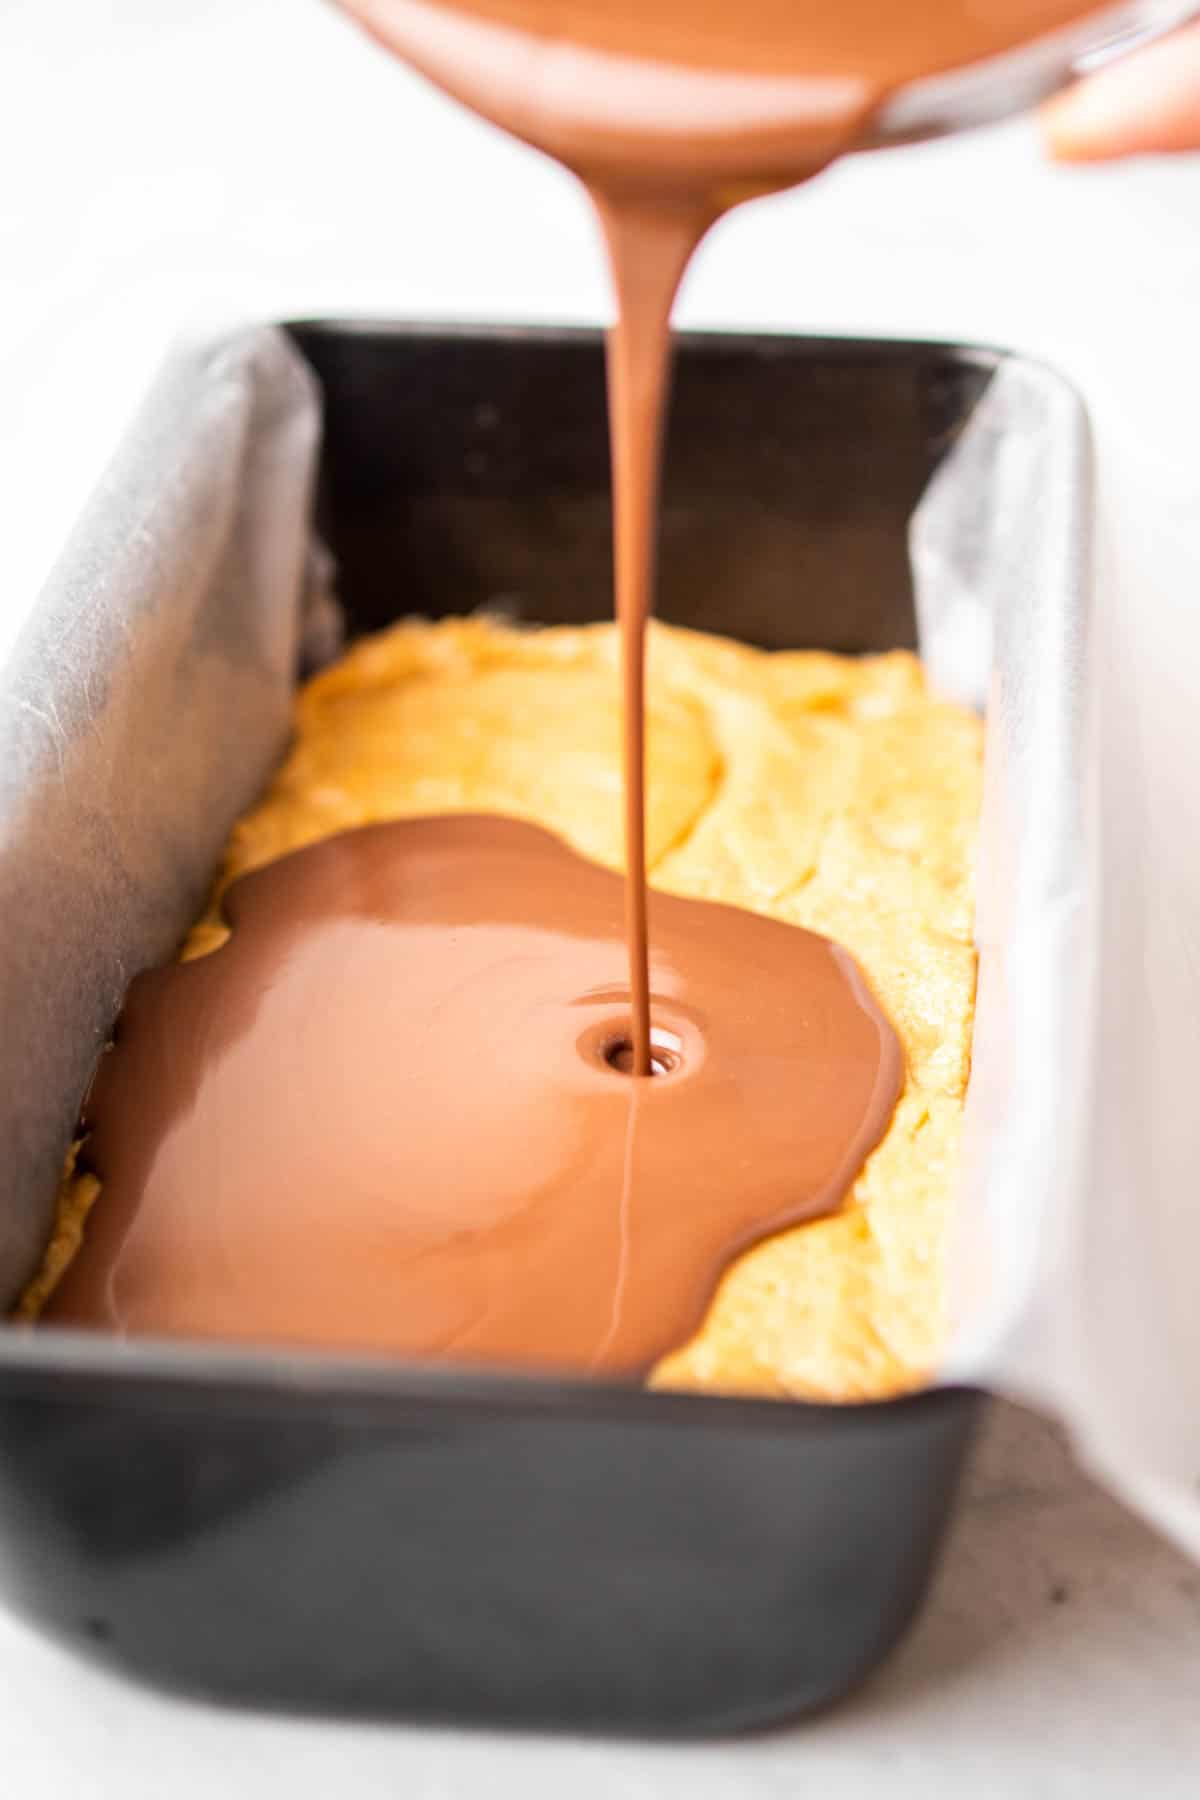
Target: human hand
x=1146 y=102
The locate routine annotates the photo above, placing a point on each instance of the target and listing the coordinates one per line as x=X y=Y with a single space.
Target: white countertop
x=166 y=168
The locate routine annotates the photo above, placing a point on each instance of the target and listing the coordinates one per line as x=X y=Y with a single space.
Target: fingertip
x=1075 y=129
x=1146 y=104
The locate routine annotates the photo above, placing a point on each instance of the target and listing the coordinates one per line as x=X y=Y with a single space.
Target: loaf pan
x=350 y=1535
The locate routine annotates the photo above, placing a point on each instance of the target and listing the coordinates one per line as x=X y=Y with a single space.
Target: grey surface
x=1026 y=436
x=1057 y=1657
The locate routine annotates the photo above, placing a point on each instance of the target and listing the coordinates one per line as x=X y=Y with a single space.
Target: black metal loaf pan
x=352 y=1536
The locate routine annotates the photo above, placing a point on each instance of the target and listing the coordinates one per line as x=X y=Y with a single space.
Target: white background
x=169 y=166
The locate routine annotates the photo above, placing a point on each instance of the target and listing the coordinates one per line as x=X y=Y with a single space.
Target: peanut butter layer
x=828 y=792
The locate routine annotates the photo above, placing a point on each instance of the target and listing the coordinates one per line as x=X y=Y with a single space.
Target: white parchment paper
x=139 y=711
x=1073 y=1280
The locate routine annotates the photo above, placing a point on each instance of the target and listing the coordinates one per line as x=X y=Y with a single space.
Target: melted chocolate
x=672 y=111
x=385 y=1113
x=650 y=94
x=394 y=1110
